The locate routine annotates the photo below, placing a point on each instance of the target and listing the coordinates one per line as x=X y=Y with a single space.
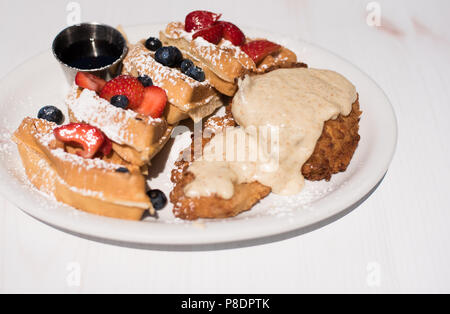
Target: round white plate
x=40 y=81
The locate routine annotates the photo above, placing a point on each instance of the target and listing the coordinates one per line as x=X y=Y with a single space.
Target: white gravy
x=295 y=104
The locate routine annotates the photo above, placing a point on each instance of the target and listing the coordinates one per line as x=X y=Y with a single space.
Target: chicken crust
x=335 y=148
x=245 y=195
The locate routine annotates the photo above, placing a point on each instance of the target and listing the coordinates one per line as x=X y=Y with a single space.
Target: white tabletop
x=395 y=241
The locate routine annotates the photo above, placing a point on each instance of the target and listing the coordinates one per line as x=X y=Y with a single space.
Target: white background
x=396 y=241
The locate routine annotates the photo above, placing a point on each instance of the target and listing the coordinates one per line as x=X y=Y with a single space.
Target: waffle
x=224 y=63
x=136 y=138
x=187 y=97
x=91 y=185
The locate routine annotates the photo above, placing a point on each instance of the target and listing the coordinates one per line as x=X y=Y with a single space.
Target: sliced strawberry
x=212 y=34
x=106 y=147
x=232 y=33
x=154 y=102
x=198 y=20
x=259 y=49
x=90 y=138
x=89 y=81
x=127 y=86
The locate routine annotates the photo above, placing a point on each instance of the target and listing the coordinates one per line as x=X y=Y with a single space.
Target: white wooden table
x=396 y=241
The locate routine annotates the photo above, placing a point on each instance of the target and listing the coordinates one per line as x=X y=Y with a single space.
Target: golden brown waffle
x=92 y=185
x=136 y=138
x=187 y=97
x=223 y=63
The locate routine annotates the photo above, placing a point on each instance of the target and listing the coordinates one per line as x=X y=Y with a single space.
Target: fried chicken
x=335 y=148
x=245 y=196
x=332 y=154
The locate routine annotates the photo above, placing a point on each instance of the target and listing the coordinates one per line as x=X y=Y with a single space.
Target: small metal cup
x=90 y=32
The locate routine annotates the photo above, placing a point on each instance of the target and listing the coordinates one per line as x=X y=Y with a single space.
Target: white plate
x=40 y=81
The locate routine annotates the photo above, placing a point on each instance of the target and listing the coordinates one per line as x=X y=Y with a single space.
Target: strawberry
x=259 y=49
x=198 y=20
x=154 y=102
x=106 y=147
x=90 y=138
x=127 y=86
x=212 y=34
x=89 y=81
x=232 y=33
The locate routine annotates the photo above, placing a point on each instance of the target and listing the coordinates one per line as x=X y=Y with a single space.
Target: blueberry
x=169 y=56
x=153 y=44
x=145 y=80
x=196 y=73
x=122 y=170
x=120 y=101
x=158 y=199
x=186 y=64
x=51 y=113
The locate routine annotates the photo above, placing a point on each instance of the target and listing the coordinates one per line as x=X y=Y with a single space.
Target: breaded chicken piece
x=335 y=148
x=245 y=195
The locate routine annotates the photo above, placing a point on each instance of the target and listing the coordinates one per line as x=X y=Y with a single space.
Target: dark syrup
x=89 y=55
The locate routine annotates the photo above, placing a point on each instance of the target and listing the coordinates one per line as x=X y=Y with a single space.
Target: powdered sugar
x=6 y=144
x=228 y=45
x=210 y=52
x=85 y=163
x=176 y=31
x=89 y=193
x=98 y=112
x=46 y=138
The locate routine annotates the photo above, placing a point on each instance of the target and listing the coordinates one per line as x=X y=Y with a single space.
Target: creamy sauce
x=294 y=104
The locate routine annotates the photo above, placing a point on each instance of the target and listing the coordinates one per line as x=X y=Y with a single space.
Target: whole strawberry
x=127 y=86
x=198 y=20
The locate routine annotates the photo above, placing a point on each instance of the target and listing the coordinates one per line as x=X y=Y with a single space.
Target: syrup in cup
x=90 y=47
